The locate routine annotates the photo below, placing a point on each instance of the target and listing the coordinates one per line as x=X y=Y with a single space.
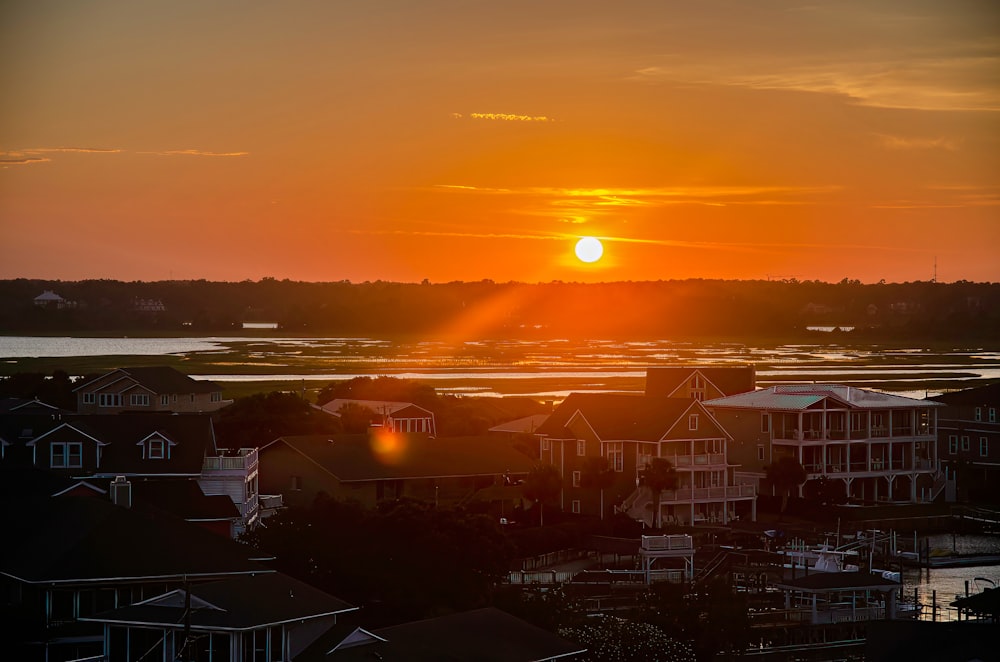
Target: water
x=950 y=582
x=541 y=368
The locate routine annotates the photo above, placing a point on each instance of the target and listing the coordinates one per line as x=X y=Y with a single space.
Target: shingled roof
x=794 y=397
x=360 y=457
x=487 y=635
x=80 y=540
x=618 y=416
x=237 y=603
x=160 y=380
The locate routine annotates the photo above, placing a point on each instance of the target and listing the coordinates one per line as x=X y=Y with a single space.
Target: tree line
x=675 y=308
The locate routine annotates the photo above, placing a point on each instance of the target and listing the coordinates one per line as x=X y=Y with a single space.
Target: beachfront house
x=968 y=440
x=148 y=389
x=881 y=447
x=628 y=431
x=383 y=466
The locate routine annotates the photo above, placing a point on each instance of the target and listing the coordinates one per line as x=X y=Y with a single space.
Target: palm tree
x=785 y=474
x=596 y=474
x=659 y=475
x=541 y=485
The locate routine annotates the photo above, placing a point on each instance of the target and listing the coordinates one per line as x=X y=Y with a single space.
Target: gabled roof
x=160 y=380
x=238 y=603
x=980 y=395
x=663 y=381
x=528 y=424
x=619 y=416
x=192 y=434
x=25 y=406
x=182 y=497
x=75 y=540
x=27 y=482
x=485 y=635
x=794 y=397
x=384 y=455
x=382 y=407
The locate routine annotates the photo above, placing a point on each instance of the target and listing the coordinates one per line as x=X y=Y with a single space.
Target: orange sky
x=465 y=140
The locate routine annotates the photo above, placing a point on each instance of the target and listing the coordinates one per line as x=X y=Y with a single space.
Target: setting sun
x=589 y=249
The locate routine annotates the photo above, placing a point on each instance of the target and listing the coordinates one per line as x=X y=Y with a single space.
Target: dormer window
x=66 y=455
x=155 y=447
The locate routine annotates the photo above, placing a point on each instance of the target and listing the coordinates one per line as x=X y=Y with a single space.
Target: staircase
x=714 y=564
x=637 y=507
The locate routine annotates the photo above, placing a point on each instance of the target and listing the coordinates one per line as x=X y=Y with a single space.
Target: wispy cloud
x=11 y=159
x=902 y=142
x=504 y=117
x=194 y=152
x=589 y=201
x=947 y=196
x=79 y=150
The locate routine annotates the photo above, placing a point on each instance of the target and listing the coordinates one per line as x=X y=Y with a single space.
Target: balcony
x=701 y=459
x=244 y=462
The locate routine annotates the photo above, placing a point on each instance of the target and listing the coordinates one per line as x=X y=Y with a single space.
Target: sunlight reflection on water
x=600 y=364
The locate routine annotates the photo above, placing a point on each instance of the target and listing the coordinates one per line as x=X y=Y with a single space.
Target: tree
x=596 y=474
x=659 y=475
x=785 y=474
x=541 y=485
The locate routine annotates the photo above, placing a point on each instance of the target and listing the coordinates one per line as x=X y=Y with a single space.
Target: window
x=192 y=397
x=88 y=398
x=545 y=444
x=296 y=483
x=993 y=414
x=216 y=396
x=765 y=422
x=576 y=506
x=175 y=397
x=979 y=413
x=110 y=400
x=66 y=455
x=965 y=442
x=139 y=400
x=697 y=387
x=164 y=399
x=156 y=450
x=581 y=447
x=693 y=422
x=616 y=456
x=984 y=446
x=760 y=452
x=857 y=421
x=576 y=479
x=952 y=444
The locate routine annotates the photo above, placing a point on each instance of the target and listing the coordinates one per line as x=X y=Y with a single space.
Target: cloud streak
x=504 y=117
x=194 y=152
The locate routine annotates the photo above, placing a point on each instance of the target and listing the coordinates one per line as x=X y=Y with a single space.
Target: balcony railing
x=246 y=460
x=700 y=459
x=687 y=494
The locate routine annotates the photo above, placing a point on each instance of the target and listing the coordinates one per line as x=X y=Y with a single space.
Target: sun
x=589 y=249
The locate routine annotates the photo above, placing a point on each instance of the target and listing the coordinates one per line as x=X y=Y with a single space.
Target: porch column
x=913 y=487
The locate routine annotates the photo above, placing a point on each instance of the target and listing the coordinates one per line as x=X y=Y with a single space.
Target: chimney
x=121 y=492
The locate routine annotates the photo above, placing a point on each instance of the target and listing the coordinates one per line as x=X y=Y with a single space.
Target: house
x=486 y=635
x=66 y=558
x=968 y=441
x=148 y=389
x=49 y=299
x=629 y=431
x=268 y=616
x=176 y=452
x=880 y=446
x=396 y=416
x=700 y=382
x=380 y=466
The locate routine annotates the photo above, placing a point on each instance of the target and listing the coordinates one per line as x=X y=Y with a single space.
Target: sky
x=465 y=140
